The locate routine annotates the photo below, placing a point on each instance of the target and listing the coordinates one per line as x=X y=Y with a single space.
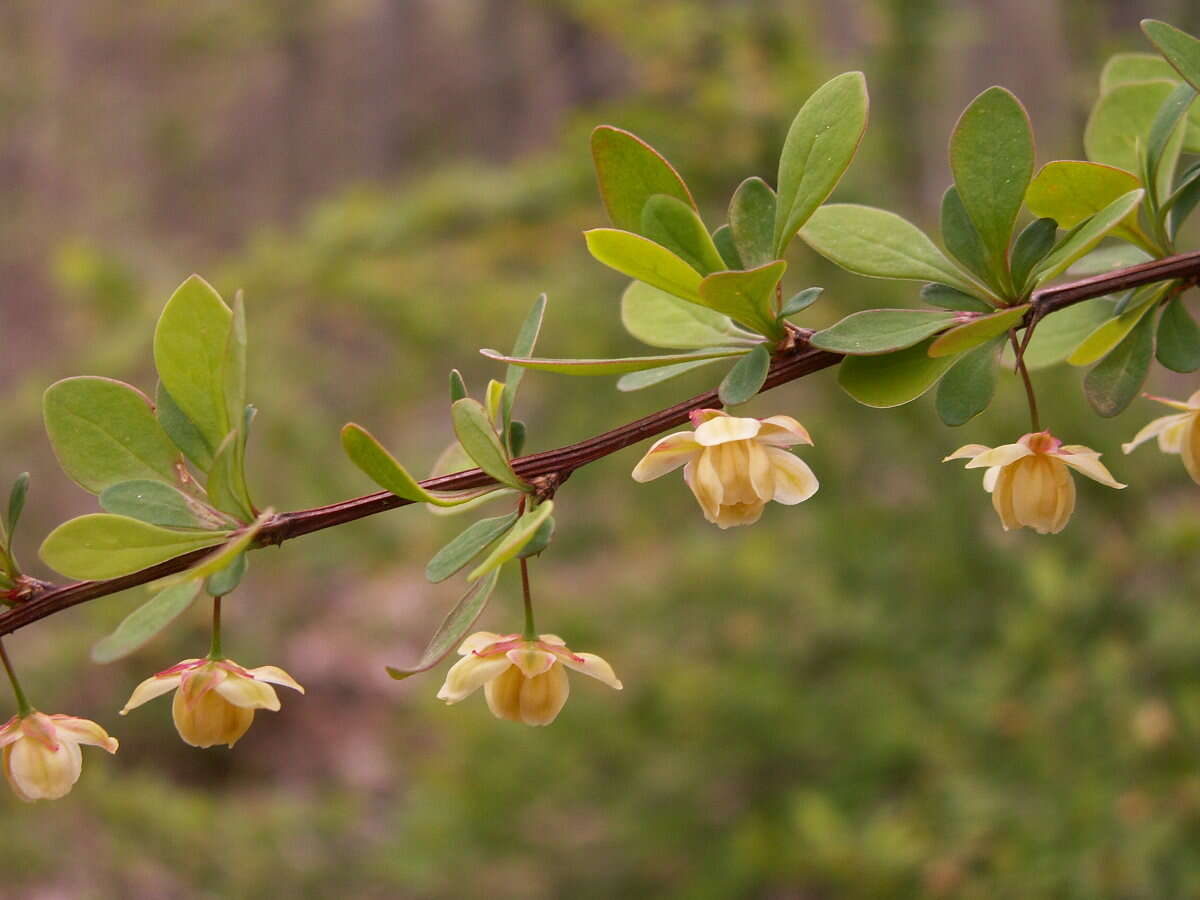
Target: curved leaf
x=101 y=545
x=875 y=331
x=894 y=378
x=466 y=546
x=671 y=223
x=640 y=258
x=141 y=625
x=613 y=366
x=968 y=387
x=383 y=468
x=630 y=172
x=747 y=297
x=453 y=628
x=659 y=319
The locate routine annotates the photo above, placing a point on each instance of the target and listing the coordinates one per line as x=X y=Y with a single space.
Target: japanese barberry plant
x=177 y=515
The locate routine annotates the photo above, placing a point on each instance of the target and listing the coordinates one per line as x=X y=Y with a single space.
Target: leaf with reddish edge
x=629 y=172
x=453 y=628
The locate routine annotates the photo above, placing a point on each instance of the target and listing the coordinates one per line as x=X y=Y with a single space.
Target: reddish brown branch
x=45 y=599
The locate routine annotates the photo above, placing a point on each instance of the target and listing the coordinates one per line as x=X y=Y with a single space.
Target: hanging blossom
x=42 y=760
x=734 y=466
x=1176 y=434
x=215 y=699
x=1030 y=481
x=522 y=680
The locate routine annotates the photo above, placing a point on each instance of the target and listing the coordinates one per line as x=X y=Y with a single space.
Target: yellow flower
x=1176 y=434
x=734 y=466
x=41 y=753
x=1030 y=482
x=523 y=681
x=216 y=699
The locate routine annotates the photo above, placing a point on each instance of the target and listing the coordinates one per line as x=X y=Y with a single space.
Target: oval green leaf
x=671 y=223
x=746 y=377
x=514 y=541
x=894 y=378
x=102 y=545
x=752 y=222
x=1178 y=344
x=747 y=297
x=466 y=546
x=968 y=387
x=659 y=319
x=137 y=629
x=629 y=172
x=876 y=331
x=976 y=332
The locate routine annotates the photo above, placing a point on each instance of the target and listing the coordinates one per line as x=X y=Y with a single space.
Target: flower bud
x=42 y=760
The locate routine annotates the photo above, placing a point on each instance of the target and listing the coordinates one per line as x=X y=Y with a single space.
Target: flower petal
x=782 y=431
x=1087 y=462
x=152 y=687
x=248 y=693
x=705 y=483
x=275 y=675
x=1189 y=451
x=725 y=429
x=542 y=698
x=1155 y=428
x=594 y=666
x=794 y=480
x=469 y=674
x=552 y=639
x=762 y=471
x=530 y=660
x=1175 y=404
x=84 y=731
x=475 y=642
x=989 y=478
x=666 y=455
x=1004 y=455
x=967 y=451
x=39 y=773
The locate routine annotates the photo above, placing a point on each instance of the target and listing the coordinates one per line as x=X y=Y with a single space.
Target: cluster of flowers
x=733 y=465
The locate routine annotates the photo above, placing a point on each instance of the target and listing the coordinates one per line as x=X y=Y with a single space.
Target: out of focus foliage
x=878 y=694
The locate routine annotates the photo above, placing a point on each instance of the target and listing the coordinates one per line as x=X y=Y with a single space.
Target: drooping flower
x=734 y=466
x=523 y=681
x=1176 y=434
x=216 y=698
x=1030 y=481
x=42 y=760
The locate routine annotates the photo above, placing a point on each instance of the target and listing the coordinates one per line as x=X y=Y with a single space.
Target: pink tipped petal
x=479 y=640
x=154 y=686
x=40 y=727
x=666 y=455
x=469 y=674
x=531 y=661
x=782 y=431
x=699 y=416
x=1175 y=404
x=248 y=693
x=1158 y=428
x=552 y=639
x=1088 y=463
x=967 y=451
x=794 y=480
x=726 y=429
x=10 y=731
x=595 y=667
x=195 y=683
x=84 y=731
x=1004 y=455
x=275 y=675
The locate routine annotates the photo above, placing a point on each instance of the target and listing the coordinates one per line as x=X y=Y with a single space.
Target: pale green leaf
x=1086 y=236
x=976 y=332
x=752 y=223
x=466 y=546
x=102 y=545
x=474 y=431
x=514 y=541
x=747 y=297
x=453 y=628
x=640 y=258
x=382 y=468
x=673 y=224
x=635 y=381
x=894 y=378
x=875 y=331
x=662 y=320
x=145 y=622
x=630 y=172
x=1181 y=49
x=746 y=377
x=613 y=366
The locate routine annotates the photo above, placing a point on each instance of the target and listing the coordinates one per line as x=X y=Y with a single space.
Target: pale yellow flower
x=734 y=466
x=1176 y=434
x=1030 y=481
x=523 y=681
x=42 y=760
x=216 y=698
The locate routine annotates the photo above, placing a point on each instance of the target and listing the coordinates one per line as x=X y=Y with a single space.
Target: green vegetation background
x=877 y=694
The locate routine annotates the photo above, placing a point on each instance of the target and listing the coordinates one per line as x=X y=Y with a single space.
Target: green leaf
x=657 y=318
x=159 y=504
x=746 y=377
x=514 y=541
x=1034 y=242
x=1120 y=120
x=820 y=144
x=475 y=433
x=190 y=354
x=968 y=387
x=894 y=378
x=458 y=387
x=723 y=241
x=1071 y=191
x=382 y=468
x=613 y=366
x=1162 y=153
x=540 y=541
x=466 y=546
x=880 y=244
x=1086 y=236
x=801 y=301
x=1180 y=49
x=235 y=362
x=630 y=172
x=523 y=346
x=673 y=224
x=227 y=579
x=1109 y=334
x=16 y=505
x=516 y=437
x=640 y=258
x=221 y=558
x=1178 y=344
x=1116 y=380
x=1126 y=68
x=453 y=628
x=962 y=240
x=991 y=155
x=181 y=430
x=102 y=545
x=145 y=622
x=104 y=432
x=226 y=482
x=747 y=297
x=752 y=222
x=951 y=298
x=875 y=331
x=635 y=381
x=976 y=332
x=1108 y=259
x=1057 y=335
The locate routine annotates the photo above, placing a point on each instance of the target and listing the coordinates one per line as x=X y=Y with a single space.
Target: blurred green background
x=877 y=694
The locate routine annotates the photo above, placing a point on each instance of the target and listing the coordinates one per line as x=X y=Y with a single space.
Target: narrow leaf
x=613 y=366
x=1101 y=341
x=523 y=346
x=475 y=433
x=453 y=628
x=458 y=387
x=226 y=482
x=540 y=541
x=382 y=468
x=1086 y=236
x=801 y=301
x=145 y=622
x=635 y=381
x=221 y=558
x=723 y=240
x=951 y=298
x=514 y=540
x=1035 y=241
x=1181 y=49
x=962 y=240
x=466 y=546
x=16 y=505
x=875 y=331
x=225 y=581
x=746 y=377
x=1056 y=336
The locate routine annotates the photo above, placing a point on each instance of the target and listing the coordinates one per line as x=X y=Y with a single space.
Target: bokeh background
x=878 y=694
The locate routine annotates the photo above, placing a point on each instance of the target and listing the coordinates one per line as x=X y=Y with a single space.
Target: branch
x=43 y=599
